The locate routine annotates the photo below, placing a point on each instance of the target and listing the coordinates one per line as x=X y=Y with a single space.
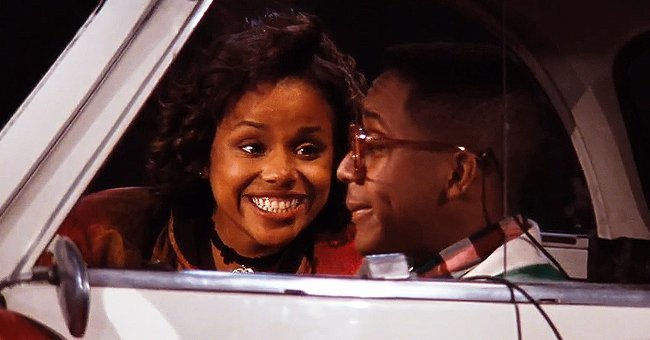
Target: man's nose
x=279 y=168
x=345 y=171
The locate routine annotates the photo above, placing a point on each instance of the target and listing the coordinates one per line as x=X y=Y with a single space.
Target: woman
x=244 y=159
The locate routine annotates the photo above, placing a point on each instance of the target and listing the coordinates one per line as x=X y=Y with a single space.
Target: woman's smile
x=280 y=208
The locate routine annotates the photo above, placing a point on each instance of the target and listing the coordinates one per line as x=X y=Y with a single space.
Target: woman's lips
x=279 y=208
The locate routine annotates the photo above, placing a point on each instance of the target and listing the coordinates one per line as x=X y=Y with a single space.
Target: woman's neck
x=229 y=258
x=235 y=250
x=238 y=239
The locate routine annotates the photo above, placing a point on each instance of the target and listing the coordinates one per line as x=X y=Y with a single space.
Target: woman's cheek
x=320 y=176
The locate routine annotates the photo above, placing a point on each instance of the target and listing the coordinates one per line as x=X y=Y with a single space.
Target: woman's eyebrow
x=256 y=125
x=305 y=130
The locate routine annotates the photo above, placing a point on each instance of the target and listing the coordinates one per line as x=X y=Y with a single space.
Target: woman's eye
x=308 y=150
x=253 y=148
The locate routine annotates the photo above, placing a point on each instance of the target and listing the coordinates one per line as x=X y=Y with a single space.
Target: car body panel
x=199 y=305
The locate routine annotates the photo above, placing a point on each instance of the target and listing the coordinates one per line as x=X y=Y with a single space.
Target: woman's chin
x=274 y=238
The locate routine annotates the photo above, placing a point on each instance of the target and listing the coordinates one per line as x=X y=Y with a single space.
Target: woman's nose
x=279 y=168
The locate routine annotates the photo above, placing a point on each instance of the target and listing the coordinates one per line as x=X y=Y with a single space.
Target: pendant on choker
x=244 y=270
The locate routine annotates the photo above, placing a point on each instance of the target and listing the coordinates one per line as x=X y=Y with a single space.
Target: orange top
x=129 y=228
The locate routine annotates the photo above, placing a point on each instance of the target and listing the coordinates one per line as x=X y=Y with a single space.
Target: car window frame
x=89 y=128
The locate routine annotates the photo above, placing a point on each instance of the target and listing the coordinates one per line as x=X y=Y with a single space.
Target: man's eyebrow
x=371 y=114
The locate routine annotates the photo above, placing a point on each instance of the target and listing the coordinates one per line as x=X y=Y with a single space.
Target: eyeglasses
x=360 y=142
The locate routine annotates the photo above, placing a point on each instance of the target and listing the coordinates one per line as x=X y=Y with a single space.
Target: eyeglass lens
x=357 y=146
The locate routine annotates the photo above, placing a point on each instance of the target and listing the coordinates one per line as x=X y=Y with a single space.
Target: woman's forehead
x=286 y=101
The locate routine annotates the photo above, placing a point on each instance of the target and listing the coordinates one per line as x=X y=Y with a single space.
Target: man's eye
x=308 y=150
x=376 y=150
x=253 y=148
x=375 y=143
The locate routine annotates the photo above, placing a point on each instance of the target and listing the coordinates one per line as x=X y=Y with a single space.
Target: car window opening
x=549 y=202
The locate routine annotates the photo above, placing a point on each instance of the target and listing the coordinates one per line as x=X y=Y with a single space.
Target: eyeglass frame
x=358 y=137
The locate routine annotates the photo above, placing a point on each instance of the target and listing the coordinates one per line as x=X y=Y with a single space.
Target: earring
x=203 y=174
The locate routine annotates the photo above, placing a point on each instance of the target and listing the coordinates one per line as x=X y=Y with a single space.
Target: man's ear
x=463 y=174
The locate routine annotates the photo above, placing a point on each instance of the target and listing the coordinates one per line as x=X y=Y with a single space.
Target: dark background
x=32 y=35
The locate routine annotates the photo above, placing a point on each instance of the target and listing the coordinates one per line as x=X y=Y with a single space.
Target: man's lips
x=358 y=210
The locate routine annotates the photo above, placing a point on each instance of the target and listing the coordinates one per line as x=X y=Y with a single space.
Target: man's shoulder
x=522 y=256
x=534 y=272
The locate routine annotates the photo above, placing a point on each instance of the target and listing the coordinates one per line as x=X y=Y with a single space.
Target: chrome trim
x=563 y=293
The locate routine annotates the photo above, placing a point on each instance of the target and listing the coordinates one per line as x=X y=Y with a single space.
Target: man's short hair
x=452 y=68
x=458 y=94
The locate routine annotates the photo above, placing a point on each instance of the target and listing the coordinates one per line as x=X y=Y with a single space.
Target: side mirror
x=73 y=290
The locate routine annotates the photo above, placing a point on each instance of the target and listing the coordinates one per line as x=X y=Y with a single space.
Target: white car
x=590 y=58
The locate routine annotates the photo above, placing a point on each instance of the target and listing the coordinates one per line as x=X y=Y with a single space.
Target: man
x=424 y=172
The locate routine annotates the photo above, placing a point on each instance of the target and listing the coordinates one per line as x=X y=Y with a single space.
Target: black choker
x=231 y=256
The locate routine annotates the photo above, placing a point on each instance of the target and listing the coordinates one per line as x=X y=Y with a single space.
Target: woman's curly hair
x=196 y=97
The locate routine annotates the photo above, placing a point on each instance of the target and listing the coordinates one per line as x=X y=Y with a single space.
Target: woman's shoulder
x=117 y=201
x=117 y=227
x=129 y=210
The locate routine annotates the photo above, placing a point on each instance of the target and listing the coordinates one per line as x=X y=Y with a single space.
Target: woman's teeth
x=276 y=205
